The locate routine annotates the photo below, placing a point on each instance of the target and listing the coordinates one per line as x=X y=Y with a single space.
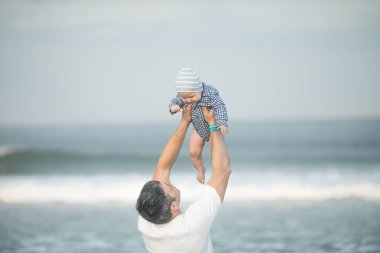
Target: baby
x=191 y=91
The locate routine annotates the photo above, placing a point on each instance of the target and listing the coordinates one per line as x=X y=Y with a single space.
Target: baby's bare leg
x=195 y=149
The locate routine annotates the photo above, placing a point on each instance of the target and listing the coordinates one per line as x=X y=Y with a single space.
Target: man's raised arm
x=173 y=146
x=220 y=162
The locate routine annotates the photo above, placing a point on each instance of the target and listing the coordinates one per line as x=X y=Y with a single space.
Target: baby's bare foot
x=201 y=176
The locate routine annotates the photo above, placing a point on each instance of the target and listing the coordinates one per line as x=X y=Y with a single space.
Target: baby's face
x=190 y=97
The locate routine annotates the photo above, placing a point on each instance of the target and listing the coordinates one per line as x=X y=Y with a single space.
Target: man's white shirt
x=189 y=231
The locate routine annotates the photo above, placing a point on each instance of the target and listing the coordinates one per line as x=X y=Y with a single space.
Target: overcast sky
x=75 y=62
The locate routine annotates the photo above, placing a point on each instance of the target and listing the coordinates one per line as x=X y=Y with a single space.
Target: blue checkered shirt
x=210 y=98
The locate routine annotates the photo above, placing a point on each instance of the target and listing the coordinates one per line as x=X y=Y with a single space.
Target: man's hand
x=186 y=113
x=175 y=108
x=209 y=115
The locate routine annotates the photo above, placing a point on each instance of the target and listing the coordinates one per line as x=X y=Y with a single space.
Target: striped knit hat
x=187 y=81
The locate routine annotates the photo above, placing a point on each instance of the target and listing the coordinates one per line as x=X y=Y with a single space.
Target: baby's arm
x=175 y=105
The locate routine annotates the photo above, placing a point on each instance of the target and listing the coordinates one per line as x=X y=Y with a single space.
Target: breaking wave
x=124 y=188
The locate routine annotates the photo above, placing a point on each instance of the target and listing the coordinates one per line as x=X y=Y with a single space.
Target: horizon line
x=169 y=122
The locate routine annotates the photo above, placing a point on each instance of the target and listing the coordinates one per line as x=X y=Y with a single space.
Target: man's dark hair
x=153 y=204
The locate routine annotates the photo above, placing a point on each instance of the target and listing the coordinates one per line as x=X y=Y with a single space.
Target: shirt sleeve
x=220 y=111
x=201 y=213
x=216 y=102
x=176 y=101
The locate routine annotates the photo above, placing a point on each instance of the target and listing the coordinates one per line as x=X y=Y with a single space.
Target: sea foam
x=5 y=151
x=124 y=188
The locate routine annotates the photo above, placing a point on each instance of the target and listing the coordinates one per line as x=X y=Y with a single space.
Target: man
x=164 y=227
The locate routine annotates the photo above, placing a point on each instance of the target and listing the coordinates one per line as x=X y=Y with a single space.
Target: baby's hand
x=224 y=130
x=175 y=108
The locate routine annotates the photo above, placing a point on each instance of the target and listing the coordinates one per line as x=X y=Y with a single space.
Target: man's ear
x=174 y=207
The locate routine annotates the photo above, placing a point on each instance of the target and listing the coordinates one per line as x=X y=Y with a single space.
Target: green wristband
x=213 y=128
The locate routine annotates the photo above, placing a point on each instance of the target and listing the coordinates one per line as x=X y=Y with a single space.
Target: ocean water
x=295 y=187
